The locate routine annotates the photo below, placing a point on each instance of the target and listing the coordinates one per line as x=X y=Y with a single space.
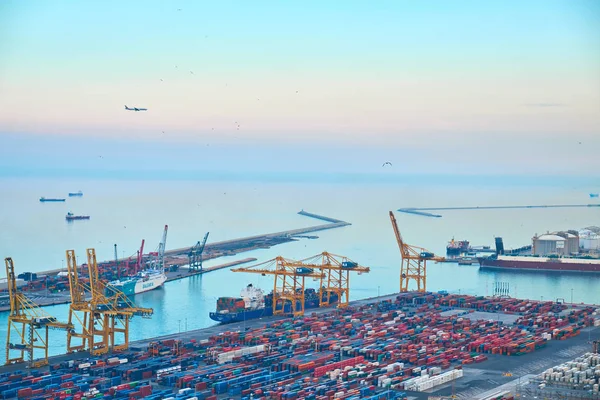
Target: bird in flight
x=135 y=109
x=386 y=163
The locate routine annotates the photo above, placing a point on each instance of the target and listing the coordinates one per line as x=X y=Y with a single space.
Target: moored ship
x=455 y=248
x=144 y=281
x=534 y=263
x=253 y=303
x=44 y=200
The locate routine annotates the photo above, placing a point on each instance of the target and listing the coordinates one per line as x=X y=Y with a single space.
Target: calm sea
x=124 y=212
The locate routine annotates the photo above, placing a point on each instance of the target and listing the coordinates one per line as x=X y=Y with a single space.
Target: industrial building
x=589 y=240
x=556 y=243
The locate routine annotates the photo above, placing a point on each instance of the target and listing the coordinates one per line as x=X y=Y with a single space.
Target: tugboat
x=71 y=217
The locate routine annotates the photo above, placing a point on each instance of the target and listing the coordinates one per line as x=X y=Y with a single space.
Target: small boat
x=71 y=217
x=466 y=261
x=43 y=199
x=78 y=194
x=594 y=195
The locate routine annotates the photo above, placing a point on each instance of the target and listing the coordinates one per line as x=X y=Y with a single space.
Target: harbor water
x=36 y=235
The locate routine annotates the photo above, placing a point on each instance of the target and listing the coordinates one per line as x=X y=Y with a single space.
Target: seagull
x=387 y=162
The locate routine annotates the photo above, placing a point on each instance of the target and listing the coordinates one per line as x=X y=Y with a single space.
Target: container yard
x=407 y=346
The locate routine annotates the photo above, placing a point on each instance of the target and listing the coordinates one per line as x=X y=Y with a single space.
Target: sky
x=467 y=87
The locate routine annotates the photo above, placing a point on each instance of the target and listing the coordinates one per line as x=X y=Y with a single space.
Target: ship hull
x=227 y=318
x=131 y=287
x=151 y=284
x=52 y=200
x=535 y=265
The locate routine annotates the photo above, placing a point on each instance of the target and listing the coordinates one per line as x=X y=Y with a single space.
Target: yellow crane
x=336 y=276
x=100 y=317
x=414 y=261
x=289 y=282
x=27 y=320
x=114 y=304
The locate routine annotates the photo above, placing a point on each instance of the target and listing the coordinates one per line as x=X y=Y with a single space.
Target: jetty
x=424 y=211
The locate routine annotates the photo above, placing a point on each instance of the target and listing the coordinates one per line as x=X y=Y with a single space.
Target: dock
x=179 y=257
x=423 y=211
x=42 y=298
x=184 y=272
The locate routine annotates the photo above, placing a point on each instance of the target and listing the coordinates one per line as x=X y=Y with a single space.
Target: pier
x=179 y=257
x=423 y=211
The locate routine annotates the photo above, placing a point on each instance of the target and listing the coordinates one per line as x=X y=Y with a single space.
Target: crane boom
x=289 y=285
x=335 y=278
x=161 y=248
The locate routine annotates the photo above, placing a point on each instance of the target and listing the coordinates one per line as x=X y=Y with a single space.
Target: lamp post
x=571 y=296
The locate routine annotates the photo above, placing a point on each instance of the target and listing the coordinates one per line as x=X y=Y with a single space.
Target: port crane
x=195 y=254
x=414 y=261
x=137 y=267
x=29 y=321
x=157 y=259
x=290 y=277
x=101 y=316
x=336 y=276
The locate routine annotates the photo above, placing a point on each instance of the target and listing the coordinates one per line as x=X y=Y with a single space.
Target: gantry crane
x=103 y=315
x=157 y=258
x=336 y=276
x=414 y=261
x=27 y=319
x=289 y=282
x=195 y=254
x=114 y=304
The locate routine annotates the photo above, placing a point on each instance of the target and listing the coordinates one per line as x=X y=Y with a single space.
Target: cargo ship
x=72 y=217
x=533 y=263
x=144 y=281
x=253 y=303
x=43 y=199
x=77 y=194
x=456 y=248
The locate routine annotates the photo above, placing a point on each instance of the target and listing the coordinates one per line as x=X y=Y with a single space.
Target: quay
x=43 y=298
x=423 y=211
x=179 y=257
x=184 y=272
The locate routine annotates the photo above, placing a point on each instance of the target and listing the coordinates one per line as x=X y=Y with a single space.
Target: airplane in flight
x=136 y=109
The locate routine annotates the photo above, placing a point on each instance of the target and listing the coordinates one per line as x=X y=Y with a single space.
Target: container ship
x=455 y=248
x=72 y=217
x=43 y=199
x=533 y=263
x=144 y=281
x=76 y=194
x=253 y=303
